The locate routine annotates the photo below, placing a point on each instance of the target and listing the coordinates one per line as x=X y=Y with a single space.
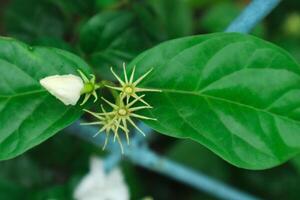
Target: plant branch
x=144 y=157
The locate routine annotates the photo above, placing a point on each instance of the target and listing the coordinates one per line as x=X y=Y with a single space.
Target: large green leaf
x=235 y=94
x=28 y=113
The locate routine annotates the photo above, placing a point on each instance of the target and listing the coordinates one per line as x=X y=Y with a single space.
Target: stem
x=146 y=158
x=114 y=93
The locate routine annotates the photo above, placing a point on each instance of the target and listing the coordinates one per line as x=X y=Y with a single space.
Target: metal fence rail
x=140 y=154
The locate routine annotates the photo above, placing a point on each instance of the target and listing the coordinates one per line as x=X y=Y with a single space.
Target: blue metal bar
x=150 y=160
x=111 y=161
x=142 y=156
x=252 y=15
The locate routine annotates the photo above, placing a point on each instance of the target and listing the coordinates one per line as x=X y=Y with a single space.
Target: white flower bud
x=66 y=88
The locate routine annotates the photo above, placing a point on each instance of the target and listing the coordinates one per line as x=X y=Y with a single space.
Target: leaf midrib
x=229 y=101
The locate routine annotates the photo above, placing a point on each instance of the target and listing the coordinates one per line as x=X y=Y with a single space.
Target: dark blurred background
x=124 y=28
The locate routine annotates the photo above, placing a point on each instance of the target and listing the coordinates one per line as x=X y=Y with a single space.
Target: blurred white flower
x=97 y=185
x=66 y=88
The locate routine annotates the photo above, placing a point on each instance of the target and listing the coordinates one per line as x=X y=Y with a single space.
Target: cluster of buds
x=69 y=88
x=124 y=108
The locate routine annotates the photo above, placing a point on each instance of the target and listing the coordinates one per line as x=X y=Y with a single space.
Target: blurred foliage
x=277 y=183
x=112 y=37
x=34 y=19
x=218 y=17
x=121 y=30
x=116 y=36
x=52 y=170
x=182 y=150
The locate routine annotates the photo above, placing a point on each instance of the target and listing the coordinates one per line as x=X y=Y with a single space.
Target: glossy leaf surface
x=28 y=113
x=236 y=94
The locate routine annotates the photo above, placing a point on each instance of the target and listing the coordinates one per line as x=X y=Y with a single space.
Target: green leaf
x=236 y=94
x=111 y=38
x=203 y=3
x=52 y=42
x=28 y=113
x=100 y=32
x=219 y=16
x=175 y=17
x=33 y=19
x=107 y=3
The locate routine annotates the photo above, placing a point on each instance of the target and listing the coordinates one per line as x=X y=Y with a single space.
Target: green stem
x=114 y=93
